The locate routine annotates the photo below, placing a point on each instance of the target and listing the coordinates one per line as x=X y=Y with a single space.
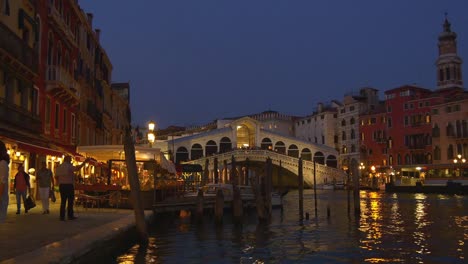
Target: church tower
x=449 y=65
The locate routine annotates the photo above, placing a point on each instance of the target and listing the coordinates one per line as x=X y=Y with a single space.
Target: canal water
x=392 y=228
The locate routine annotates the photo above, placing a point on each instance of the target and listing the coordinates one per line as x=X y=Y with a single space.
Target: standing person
x=65 y=174
x=4 y=181
x=21 y=186
x=45 y=182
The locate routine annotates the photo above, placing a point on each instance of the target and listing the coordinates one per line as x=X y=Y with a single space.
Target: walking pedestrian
x=22 y=186
x=45 y=182
x=4 y=181
x=65 y=175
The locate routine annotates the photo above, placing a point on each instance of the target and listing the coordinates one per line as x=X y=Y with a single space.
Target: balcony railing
x=18 y=118
x=17 y=48
x=58 y=76
x=55 y=15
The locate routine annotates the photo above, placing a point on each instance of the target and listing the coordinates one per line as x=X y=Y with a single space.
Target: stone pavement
x=38 y=238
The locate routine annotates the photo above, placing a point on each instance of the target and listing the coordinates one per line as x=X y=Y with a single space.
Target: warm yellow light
x=239 y=127
x=151 y=126
x=418 y=168
x=455 y=161
x=459 y=156
x=373 y=168
x=18 y=153
x=151 y=137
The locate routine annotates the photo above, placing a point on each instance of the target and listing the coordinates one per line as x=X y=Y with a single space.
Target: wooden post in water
x=268 y=187
x=300 y=183
x=234 y=180
x=215 y=168
x=219 y=205
x=280 y=178
x=200 y=205
x=237 y=206
x=246 y=179
x=357 y=203
x=135 y=193
x=206 y=172
x=224 y=177
x=315 y=187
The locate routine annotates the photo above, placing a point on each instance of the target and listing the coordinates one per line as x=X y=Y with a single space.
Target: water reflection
x=392 y=228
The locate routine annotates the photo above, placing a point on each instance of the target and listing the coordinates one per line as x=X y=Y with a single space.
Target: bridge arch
x=293 y=151
x=306 y=154
x=332 y=161
x=225 y=145
x=211 y=148
x=196 y=152
x=280 y=147
x=319 y=157
x=266 y=144
x=181 y=155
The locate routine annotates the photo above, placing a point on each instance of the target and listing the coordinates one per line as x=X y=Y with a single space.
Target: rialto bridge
x=243 y=140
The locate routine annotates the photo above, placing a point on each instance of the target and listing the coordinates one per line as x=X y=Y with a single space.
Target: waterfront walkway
x=38 y=238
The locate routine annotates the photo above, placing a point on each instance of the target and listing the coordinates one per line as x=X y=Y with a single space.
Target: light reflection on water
x=393 y=228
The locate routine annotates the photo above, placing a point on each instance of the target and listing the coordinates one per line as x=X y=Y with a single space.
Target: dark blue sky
x=193 y=61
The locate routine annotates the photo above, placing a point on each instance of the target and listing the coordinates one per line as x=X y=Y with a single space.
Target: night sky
x=193 y=61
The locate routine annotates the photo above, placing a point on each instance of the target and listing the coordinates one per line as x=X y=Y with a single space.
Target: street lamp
x=459 y=160
x=151 y=134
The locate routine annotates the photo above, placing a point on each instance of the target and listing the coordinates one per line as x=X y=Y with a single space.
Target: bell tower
x=449 y=64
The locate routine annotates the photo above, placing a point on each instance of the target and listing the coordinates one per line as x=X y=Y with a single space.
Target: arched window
x=353 y=135
x=343 y=122
x=428 y=158
x=266 y=144
x=390 y=160
x=450 y=130
x=343 y=135
x=225 y=145
x=332 y=161
x=280 y=147
x=352 y=121
x=407 y=159
x=344 y=150
x=181 y=155
x=293 y=151
x=319 y=157
x=211 y=148
x=399 y=159
x=353 y=148
x=450 y=152
x=306 y=154
x=196 y=152
x=435 y=131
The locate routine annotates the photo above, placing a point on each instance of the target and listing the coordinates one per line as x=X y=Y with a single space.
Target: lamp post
x=362 y=167
x=151 y=134
x=459 y=160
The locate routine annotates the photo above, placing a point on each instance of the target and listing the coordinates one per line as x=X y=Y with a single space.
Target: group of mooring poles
x=261 y=185
x=354 y=171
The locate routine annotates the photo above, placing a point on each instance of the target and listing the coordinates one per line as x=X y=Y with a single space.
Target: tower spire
x=449 y=64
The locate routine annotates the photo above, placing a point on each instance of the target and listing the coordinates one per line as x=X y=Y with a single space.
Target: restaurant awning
x=104 y=153
x=38 y=149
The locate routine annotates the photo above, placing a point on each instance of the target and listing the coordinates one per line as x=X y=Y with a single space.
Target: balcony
x=17 y=118
x=62 y=85
x=94 y=113
x=60 y=24
x=14 y=49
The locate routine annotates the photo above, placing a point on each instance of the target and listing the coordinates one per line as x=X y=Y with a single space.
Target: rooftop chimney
x=90 y=18
x=98 y=33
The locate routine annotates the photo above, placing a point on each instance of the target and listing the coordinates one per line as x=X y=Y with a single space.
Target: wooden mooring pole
x=301 y=189
x=135 y=193
x=219 y=206
x=357 y=202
